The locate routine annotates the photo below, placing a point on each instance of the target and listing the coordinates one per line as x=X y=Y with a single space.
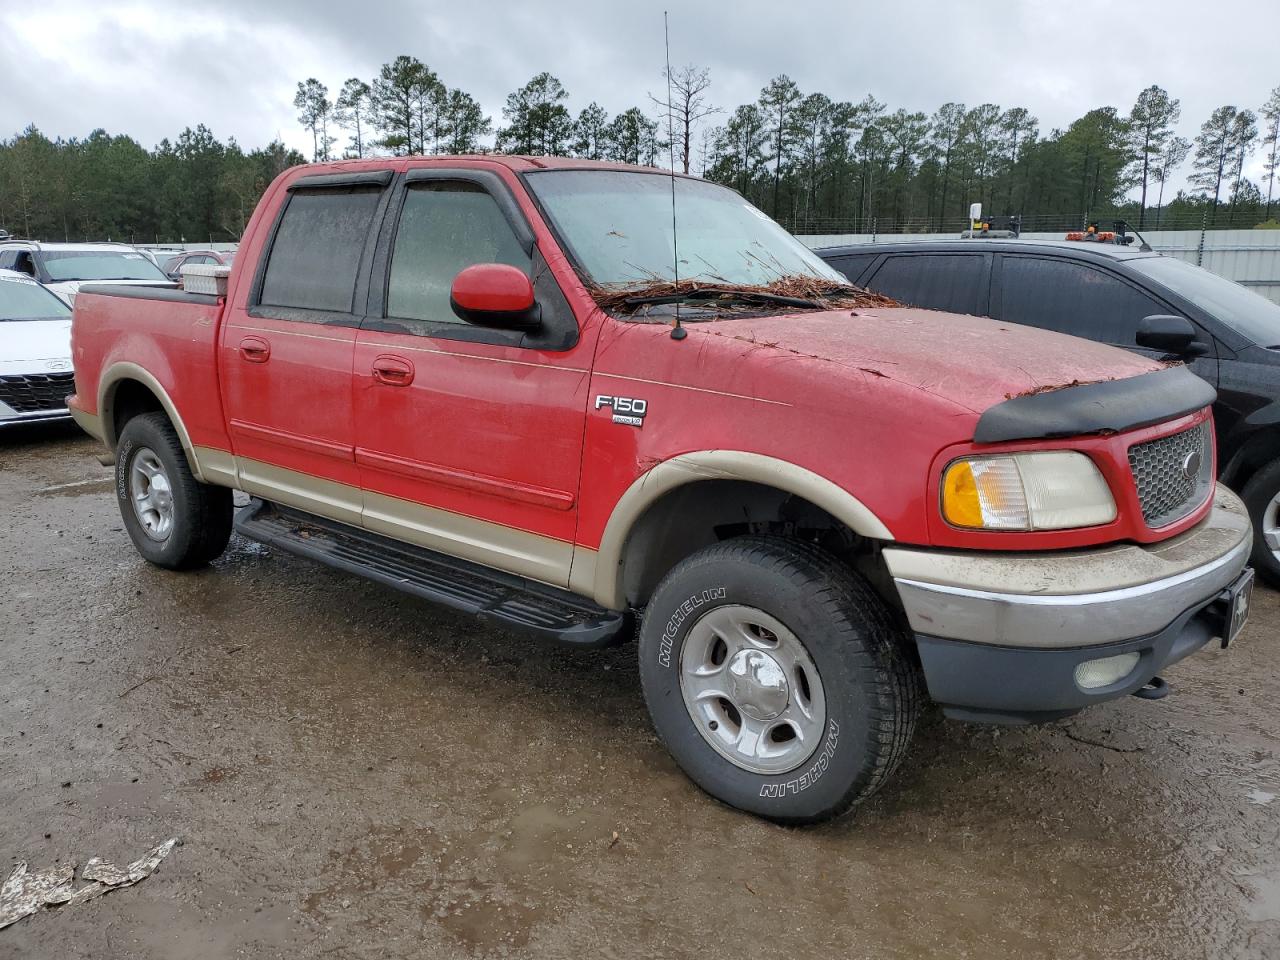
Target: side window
x=1072 y=298
x=853 y=265
x=7 y=259
x=316 y=253
x=445 y=226
x=952 y=282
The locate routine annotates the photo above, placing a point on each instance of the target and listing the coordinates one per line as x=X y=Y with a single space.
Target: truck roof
x=516 y=162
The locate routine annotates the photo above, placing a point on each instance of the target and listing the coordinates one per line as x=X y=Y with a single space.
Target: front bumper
x=1000 y=635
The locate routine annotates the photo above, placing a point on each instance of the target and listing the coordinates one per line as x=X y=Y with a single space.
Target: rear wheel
x=1262 y=496
x=174 y=520
x=778 y=680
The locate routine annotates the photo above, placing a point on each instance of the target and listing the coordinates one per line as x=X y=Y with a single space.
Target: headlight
x=1057 y=490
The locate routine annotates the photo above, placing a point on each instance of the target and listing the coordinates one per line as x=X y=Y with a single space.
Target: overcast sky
x=149 y=69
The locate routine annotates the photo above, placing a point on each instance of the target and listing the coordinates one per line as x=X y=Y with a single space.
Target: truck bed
x=120 y=331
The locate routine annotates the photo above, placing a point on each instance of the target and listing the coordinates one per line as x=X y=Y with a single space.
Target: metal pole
x=1200 y=248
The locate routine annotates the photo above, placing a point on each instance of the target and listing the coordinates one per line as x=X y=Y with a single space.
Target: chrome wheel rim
x=752 y=690
x=1271 y=526
x=151 y=494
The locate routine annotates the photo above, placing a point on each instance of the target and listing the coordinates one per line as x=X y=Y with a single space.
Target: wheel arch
x=123 y=394
x=744 y=478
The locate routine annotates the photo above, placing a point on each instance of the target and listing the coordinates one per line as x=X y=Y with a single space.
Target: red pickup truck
x=478 y=380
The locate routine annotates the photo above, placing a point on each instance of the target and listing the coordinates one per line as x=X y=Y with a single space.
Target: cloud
x=149 y=69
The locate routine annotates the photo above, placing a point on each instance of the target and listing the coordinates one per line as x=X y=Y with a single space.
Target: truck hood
x=67 y=289
x=974 y=362
x=34 y=346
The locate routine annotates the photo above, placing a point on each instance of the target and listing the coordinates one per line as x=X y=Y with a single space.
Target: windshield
x=98 y=265
x=618 y=227
x=1250 y=314
x=23 y=300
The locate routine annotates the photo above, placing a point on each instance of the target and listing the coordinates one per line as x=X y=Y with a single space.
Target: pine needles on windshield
x=823 y=294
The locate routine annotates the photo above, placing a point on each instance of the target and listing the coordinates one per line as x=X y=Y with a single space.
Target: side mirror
x=495 y=295
x=1170 y=334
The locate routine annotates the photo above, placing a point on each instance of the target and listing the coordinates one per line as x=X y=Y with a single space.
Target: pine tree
x=1150 y=126
x=537 y=120
x=351 y=112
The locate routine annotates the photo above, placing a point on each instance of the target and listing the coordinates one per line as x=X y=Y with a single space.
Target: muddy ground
x=354 y=773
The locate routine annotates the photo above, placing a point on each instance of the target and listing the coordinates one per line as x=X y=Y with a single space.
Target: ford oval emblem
x=58 y=364
x=1191 y=465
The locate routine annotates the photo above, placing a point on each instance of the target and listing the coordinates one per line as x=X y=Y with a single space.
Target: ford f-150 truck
x=516 y=387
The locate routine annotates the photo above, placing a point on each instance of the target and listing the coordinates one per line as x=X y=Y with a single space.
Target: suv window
x=936 y=281
x=1072 y=298
x=316 y=253
x=446 y=226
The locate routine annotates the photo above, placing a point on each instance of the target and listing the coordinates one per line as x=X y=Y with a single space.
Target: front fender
x=599 y=574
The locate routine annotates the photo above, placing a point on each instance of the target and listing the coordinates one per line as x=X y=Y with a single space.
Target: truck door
x=286 y=349
x=469 y=439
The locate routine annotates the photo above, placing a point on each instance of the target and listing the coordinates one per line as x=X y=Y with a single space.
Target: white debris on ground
x=25 y=893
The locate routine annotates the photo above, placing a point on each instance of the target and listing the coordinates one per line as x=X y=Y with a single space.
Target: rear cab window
x=319 y=250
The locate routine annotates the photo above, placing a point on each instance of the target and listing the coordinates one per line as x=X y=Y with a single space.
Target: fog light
x=1103 y=672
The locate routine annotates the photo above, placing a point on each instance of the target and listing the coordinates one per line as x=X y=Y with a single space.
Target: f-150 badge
x=628 y=410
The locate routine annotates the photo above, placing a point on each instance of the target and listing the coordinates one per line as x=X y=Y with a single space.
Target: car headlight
x=1054 y=490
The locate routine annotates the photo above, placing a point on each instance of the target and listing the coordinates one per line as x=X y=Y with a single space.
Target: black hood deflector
x=1112 y=406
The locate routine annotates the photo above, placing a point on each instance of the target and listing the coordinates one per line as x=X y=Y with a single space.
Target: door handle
x=393 y=371
x=255 y=350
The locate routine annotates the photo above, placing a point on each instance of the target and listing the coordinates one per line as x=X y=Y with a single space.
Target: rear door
x=954 y=282
x=286 y=350
x=1083 y=300
x=469 y=439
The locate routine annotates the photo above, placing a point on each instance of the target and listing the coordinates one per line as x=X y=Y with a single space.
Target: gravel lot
x=354 y=773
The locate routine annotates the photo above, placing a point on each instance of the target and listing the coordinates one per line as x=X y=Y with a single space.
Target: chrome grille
x=1167 y=488
x=37 y=391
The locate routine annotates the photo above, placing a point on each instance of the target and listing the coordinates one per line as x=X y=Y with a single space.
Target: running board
x=504 y=598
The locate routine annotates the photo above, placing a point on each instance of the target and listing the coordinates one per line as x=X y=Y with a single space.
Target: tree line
x=408 y=109
x=821 y=164
x=194 y=188
x=816 y=163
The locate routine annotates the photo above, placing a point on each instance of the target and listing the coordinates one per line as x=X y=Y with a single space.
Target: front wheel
x=1261 y=495
x=779 y=681
x=174 y=520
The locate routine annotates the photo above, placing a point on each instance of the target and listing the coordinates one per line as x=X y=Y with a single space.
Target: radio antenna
x=677 y=332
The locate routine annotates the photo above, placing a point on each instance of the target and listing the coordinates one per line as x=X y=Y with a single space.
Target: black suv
x=1134 y=298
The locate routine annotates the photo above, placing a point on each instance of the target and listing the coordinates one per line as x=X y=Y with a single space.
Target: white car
x=65 y=267
x=35 y=352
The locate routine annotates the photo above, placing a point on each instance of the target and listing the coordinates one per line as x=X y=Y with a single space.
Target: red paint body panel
x=174 y=342
x=877 y=401
x=487 y=431
x=294 y=410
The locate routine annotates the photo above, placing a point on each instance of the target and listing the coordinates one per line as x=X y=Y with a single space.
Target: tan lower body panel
x=90 y=423
x=525 y=554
